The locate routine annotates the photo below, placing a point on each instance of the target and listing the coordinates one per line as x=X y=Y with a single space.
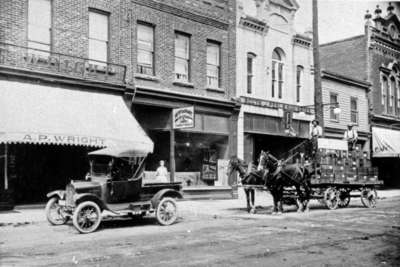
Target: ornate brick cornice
x=222 y=24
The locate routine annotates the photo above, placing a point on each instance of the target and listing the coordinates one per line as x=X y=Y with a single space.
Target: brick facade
x=70 y=21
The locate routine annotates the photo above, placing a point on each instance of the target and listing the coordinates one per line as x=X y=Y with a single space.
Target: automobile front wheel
x=86 y=217
x=55 y=213
x=166 y=211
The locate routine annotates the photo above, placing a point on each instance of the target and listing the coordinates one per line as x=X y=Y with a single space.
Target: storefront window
x=200 y=159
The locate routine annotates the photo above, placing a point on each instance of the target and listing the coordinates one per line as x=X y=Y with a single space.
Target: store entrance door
x=40 y=169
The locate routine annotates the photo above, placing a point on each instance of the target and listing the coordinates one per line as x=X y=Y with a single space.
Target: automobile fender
x=79 y=198
x=165 y=193
x=56 y=193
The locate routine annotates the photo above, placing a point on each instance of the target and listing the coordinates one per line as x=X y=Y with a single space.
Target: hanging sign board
x=183 y=117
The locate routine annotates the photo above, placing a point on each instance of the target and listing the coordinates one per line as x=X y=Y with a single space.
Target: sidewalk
x=23 y=215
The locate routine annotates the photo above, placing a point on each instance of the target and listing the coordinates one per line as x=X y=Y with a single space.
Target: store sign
x=183 y=117
x=68 y=65
x=61 y=139
x=274 y=105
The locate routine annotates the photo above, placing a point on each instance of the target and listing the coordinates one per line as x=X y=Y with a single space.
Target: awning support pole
x=5 y=167
x=172 y=153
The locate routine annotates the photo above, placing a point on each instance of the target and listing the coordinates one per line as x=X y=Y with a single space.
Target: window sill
x=215 y=89
x=183 y=84
x=146 y=77
x=333 y=120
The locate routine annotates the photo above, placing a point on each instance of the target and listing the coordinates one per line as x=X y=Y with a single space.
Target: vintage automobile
x=113 y=188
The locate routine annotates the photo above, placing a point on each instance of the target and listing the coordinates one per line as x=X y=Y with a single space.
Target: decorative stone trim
x=183 y=84
x=253 y=24
x=146 y=77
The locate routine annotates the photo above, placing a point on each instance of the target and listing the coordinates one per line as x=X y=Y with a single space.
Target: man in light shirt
x=315 y=133
x=315 y=130
x=351 y=136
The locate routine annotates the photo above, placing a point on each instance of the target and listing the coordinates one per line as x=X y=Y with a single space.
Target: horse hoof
x=299 y=211
x=252 y=211
x=307 y=210
x=274 y=213
x=279 y=212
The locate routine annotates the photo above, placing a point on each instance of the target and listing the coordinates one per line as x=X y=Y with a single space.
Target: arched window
x=250 y=62
x=384 y=93
x=277 y=72
x=299 y=81
x=392 y=90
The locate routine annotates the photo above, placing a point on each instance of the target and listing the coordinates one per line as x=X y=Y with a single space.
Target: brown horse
x=247 y=178
x=280 y=175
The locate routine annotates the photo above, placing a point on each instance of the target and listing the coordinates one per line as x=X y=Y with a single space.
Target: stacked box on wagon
x=335 y=164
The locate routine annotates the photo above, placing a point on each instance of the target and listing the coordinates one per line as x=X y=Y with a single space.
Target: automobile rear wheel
x=55 y=213
x=166 y=211
x=86 y=217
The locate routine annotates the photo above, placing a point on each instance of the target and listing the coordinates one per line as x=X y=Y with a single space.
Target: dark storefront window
x=198 y=157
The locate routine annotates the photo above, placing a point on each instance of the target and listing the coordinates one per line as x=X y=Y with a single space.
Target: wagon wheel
x=369 y=197
x=344 y=198
x=331 y=198
x=87 y=217
x=55 y=213
x=166 y=211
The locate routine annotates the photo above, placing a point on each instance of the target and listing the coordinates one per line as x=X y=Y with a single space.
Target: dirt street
x=353 y=236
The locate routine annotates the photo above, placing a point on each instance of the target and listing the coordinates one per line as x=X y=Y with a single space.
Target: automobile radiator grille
x=69 y=198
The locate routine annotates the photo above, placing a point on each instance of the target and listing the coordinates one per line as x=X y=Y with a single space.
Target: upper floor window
x=392 y=91
x=182 y=57
x=39 y=26
x=384 y=90
x=299 y=81
x=333 y=98
x=398 y=97
x=353 y=110
x=145 y=49
x=98 y=37
x=213 y=64
x=250 y=62
x=277 y=74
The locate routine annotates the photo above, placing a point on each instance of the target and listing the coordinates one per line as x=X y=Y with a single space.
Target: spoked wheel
x=344 y=198
x=331 y=198
x=87 y=217
x=166 y=212
x=55 y=213
x=369 y=197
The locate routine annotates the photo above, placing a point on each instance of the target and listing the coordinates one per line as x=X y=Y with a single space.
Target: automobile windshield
x=101 y=166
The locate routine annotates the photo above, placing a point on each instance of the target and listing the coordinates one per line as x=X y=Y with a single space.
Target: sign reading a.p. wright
x=183 y=117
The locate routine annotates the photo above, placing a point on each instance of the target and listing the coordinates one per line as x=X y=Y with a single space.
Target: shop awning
x=38 y=114
x=385 y=142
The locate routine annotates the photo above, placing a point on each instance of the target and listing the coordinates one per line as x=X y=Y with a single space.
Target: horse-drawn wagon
x=337 y=174
x=328 y=172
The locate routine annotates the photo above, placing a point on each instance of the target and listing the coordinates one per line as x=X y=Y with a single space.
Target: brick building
x=374 y=58
x=72 y=68
x=274 y=78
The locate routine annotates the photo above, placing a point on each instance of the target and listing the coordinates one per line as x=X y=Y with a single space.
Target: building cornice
x=189 y=98
x=208 y=20
x=302 y=40
x=54 y=78
x=345 y=79
x=253 y=24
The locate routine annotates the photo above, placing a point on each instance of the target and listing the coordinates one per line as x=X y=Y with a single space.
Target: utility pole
x=319 y=111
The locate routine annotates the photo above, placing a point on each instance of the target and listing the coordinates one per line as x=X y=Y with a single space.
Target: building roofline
x=343 y=40
x=346 y=79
